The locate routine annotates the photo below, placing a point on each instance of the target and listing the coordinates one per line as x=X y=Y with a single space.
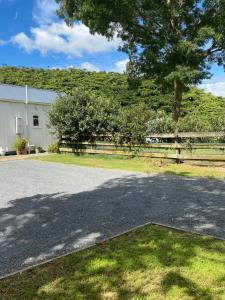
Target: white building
x=23 y=112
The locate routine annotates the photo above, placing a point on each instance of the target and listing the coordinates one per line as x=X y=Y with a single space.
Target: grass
x=136 y=164
x=151 y=262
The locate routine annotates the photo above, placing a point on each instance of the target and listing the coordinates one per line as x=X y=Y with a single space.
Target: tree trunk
x=178 y=93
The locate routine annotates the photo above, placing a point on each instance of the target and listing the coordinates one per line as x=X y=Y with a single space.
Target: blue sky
x=32 y=35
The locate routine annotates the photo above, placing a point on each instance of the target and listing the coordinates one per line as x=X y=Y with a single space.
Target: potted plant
x=20 y=145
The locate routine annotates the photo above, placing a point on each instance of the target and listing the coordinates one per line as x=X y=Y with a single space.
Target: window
x=36 y=121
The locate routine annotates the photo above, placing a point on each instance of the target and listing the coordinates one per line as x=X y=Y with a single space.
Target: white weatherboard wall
x=36 y=135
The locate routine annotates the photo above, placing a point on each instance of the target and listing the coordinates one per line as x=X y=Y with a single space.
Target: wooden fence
x=179 y=151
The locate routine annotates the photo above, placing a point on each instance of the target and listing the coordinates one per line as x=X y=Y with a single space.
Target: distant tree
x=174 y=41
x=206 y=114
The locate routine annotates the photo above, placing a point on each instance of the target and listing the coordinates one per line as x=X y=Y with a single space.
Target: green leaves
x=167 y=40
x=185 y=74
x=80 y=116
x=207 y=112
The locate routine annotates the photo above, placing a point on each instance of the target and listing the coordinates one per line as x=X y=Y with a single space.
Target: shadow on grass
x=191 y=289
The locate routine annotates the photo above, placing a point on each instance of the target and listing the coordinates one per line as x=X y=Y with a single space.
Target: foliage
x=136 y=122
x=160 y=122
x=172 y=41
x=132 y=124
x=53 y=148
x=123 y=90
x=81 y=115
x=20 y=144
x=206 y=114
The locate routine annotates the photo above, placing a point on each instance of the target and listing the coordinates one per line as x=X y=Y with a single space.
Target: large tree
x=175 y=41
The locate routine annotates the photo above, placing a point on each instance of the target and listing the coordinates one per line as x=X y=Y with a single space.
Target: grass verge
x=136 y=164
x=151 y=262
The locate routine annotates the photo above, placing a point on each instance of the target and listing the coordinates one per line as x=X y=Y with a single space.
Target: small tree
x=174 y=41
x=132 y=122
x=80 y=116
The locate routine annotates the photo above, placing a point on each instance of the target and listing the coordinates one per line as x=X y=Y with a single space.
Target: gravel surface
x=49 y=209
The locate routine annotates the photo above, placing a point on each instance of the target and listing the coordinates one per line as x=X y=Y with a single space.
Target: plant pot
x=21 y=152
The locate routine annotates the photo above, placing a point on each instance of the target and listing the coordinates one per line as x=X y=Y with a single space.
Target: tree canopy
x=173 y=41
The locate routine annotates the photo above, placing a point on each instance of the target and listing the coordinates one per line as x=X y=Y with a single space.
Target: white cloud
x=23 y=41
x=45 y=11
x=120 y=66
x=89 y=67
x=59 y=38
x=217 y=88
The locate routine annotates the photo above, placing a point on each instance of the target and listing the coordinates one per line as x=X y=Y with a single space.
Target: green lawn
x=151 y=262
x=136 y=164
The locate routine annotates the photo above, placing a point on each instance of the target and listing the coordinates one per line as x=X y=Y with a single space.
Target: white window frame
x=39 y=126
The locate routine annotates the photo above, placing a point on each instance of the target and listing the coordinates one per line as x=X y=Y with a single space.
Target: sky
x=32 y=35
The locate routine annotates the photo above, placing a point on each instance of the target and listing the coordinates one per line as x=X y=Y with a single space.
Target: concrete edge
x=189 y=231
x=109 y=239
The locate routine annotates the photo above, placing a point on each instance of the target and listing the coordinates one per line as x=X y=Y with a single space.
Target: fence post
x=177 y=142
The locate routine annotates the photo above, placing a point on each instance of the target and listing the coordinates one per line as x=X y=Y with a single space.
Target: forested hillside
x=200 y=111
x=109 y=85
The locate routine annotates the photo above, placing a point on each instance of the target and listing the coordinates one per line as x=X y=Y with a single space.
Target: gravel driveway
x=49 y=209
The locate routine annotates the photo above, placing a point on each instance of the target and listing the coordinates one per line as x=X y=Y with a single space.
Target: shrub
x=53 y=148
x=132 y=124
x=20 y=144
x=160 y=122
x=81 y=115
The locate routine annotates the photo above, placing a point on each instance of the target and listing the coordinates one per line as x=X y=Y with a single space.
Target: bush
x=53 y=148
x=132 y=124
x=20 y=144
x=160 y=122
x=81 y=115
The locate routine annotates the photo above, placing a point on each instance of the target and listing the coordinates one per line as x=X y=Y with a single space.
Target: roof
x=18 y=93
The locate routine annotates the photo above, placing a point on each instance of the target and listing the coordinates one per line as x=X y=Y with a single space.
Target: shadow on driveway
x=37 y=228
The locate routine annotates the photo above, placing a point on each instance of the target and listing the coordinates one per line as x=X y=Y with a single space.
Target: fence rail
x=189 y=135
x=180 y=151
x=178 y=157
